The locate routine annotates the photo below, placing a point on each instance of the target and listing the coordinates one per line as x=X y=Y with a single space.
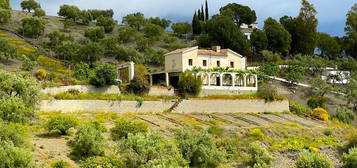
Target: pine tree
x=207 y=15
x=202 y=13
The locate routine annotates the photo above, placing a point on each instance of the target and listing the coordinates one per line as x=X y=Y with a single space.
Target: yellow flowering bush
x=41 y=74
x=321 y=114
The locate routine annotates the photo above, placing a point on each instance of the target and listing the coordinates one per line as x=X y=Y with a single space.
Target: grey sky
x=331 y=13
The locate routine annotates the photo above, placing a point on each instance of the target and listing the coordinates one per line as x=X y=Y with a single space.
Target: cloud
x=331 y=13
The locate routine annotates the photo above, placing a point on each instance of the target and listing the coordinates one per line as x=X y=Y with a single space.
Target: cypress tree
x=207 y=15
x=194 y=26
x=202 y=13
x=199 y=14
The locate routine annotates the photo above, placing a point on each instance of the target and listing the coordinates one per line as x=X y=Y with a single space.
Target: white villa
x=248 y=29
x=215 y=82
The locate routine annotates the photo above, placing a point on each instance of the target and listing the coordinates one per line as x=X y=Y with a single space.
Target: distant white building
x=248 y=29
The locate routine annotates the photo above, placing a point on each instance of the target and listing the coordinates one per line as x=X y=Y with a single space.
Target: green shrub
x=15 y=134
x=215 y=130
x=102 y=162
x=61 y=123
x=150 y=150
x=312 y=160
x=5 y=16
x=259 y=156
x=189 y=84
x=88 y=142
x=123 y=127
x=140 y=84
x=351 y=141
x=60 y=164
x=14 y=157
x=315 y=102
x=95 y=33
x=350 y=159
x=32 y=27
x=104 y=74
x=106 y=22
x=199 y=149
x=270 y=69
x=256 y=133
x=39 y=12
x=82 y=71
x=299 y=109
x=327 y=132
x=268 y=92
x=345 y=115
x=13 y=109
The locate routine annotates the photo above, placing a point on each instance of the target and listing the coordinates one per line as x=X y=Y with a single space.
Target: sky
x=331 y=13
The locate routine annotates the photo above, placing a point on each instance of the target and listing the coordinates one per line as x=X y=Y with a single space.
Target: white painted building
x=248 y=29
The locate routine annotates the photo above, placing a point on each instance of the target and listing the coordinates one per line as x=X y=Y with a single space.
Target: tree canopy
x=222 y=31
x=181 y=28
x=239 y=13
x=135 y=20
x=29 y=5
x=279 y=38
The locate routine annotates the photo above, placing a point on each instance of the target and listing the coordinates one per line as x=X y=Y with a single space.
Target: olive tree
x=32 y=27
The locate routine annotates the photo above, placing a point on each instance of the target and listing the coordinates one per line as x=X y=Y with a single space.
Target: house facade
x=184 y=59
x=248 y=29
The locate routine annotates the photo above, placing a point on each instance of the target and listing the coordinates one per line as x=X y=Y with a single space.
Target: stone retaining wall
x=161 y=91
x=83 y=88
x=186 y=106
x=231 y=106
x=105 y=105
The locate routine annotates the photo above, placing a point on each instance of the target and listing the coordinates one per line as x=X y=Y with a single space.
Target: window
x=218 y=63
x=204 y=63
x=250 y=26
x=232 y=64
x=190 y=62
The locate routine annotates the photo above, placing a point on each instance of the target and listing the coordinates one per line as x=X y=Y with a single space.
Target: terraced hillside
x=285 y=134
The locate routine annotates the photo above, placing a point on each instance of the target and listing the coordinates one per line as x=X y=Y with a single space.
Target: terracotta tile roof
x=181 y=50
x=213 y=53
x=247 y=30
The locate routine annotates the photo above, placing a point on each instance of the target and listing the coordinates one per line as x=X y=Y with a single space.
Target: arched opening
x=215 y=79
x=239 y=80
x=204 y=77
x=227 y=80
x=251 y=81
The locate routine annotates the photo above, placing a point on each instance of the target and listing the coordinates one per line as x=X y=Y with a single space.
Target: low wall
x=231 y=106
x=83 y=88
x=226 y=90
x=105 y=105
x=186 y=106
x=161 y=91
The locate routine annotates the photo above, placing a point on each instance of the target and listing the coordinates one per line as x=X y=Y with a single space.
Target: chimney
x=216 y=48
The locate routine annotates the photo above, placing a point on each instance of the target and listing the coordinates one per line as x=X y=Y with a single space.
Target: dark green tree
x=328 y=46
x=164 y=23
x=181 y=28
x=32 y=27
x=94 y=33
x=29 y=5
x=69 y=12
x=223 y=31
x=207 y=12
x=351 y=31
x=107 y=23
x=68 y=51
x=135 y=20
x=6 y=50
x=95 y=13
x=153 y=30
x=239 y=13
x=5 y=4
x=259 y=40
x=196 y=24
x=202 y=14
x=5 y=16
x=57 y=38
x=303 y=29
x=39 y=12
x=91 y=53
x=279 y=38
x=104 y=74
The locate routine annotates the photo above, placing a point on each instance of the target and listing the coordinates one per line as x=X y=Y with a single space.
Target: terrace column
x=131 y=71
x=209 y=79
x=233 y=79
x=150 y=76
x=220 y=79
x=256 y=81
x=245 y=80
x=167 y=79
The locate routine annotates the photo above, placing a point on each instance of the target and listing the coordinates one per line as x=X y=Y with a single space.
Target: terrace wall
x=186 y=106
x=82 y=88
